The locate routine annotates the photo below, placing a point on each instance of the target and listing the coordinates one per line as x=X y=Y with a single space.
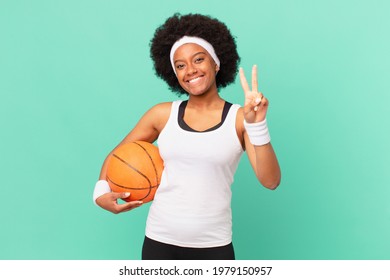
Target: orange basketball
x=135 y=167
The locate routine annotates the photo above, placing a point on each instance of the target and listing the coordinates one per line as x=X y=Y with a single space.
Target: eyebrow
x=192 y=56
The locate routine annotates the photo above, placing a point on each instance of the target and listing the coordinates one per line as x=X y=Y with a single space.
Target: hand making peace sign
x=256 y=105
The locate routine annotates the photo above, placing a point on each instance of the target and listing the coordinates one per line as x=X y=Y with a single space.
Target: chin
x=197 y=91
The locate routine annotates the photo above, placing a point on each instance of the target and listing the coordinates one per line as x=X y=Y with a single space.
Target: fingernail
x=127 y=194
x=258 y=100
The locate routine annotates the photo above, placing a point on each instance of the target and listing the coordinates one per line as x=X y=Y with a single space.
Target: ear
x=216 y=68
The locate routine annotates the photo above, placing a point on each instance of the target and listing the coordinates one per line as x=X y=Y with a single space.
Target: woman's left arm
x=253 y=126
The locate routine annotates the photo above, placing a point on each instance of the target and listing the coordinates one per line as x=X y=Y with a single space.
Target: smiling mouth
x=194 y=80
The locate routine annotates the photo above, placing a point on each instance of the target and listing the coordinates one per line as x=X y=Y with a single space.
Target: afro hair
x=205 y=27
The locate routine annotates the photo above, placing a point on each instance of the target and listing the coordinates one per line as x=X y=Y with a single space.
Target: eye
x=199 y=59
x=179 y=66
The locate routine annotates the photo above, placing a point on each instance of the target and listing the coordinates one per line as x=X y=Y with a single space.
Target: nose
x=191 y=69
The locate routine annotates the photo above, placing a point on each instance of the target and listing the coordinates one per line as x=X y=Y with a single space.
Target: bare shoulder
x=162 y=108
x=151 y=124
x=159 y=113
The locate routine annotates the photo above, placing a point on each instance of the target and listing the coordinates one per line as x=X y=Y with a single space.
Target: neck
x=205 y=101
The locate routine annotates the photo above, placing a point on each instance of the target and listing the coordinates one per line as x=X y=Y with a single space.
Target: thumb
x=121 y=195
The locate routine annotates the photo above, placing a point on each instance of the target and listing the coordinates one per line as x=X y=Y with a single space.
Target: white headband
x=196 y=40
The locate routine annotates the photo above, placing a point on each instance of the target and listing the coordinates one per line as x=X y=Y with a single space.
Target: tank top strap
x=232 y=115
x=175 y=109
x=172 y=120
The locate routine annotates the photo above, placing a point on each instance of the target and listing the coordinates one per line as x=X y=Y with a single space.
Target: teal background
x=75 y=76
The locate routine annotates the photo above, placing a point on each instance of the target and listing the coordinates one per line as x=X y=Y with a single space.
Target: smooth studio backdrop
x=75 y=77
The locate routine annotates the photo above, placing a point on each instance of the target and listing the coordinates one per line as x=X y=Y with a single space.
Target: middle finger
x=254 y=79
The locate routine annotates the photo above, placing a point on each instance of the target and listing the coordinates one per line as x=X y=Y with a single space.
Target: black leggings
x=154 y=250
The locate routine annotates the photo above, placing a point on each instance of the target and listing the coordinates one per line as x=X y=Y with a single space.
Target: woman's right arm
x=147 y=129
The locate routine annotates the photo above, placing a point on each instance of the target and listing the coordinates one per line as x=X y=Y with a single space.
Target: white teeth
x=194 y=80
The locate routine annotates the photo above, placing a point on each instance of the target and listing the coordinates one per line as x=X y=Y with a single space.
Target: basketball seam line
x=151 y=159
x=136 y=170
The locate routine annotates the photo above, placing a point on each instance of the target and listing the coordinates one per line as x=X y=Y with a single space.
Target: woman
x=200 y=140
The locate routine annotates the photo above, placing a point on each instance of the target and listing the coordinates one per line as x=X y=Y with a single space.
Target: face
x=195 y=69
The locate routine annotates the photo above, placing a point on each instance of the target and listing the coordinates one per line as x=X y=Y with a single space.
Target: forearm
x=261 y=154
x=267 y=166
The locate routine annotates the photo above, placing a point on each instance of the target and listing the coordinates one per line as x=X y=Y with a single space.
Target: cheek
x=180 y=79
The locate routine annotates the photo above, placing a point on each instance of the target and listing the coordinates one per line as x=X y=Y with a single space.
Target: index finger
x=129 y=205
x=244 y=82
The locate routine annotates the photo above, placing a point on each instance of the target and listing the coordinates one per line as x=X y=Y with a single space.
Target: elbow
x=271 y=184
x=271 y=187
x=270 y=180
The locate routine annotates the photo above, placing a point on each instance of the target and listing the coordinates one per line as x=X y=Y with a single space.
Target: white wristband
x=258 y=132
x=101 y=188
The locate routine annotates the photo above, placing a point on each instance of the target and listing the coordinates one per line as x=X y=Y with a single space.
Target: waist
x=174 y=227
